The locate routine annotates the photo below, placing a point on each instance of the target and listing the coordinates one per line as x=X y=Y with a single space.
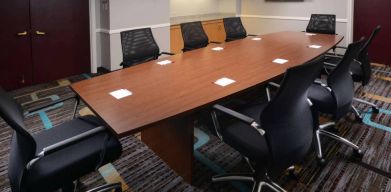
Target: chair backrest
x=322 y=23
x=194 y=36
x=138 y=46
x=341 y=82
x=288 y=118
x=234 y=28
x=23 y=146
x=363 y=57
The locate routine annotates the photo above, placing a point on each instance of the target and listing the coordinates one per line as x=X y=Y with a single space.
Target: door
x=15 y=49
x=61 y=38
x=367 y=15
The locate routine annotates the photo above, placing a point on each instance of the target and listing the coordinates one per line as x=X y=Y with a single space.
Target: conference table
x=163 y=99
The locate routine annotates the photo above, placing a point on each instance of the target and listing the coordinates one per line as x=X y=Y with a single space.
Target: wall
x=199 y=7
x=122 y=15
x=260 y=17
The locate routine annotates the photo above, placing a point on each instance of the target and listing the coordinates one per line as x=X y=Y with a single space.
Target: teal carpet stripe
x=45 y=120
x=367 y=120
x=203 y=139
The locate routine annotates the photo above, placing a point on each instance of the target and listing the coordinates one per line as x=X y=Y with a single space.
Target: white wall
x=260 y=17
x=119 y=15
x=180 y=8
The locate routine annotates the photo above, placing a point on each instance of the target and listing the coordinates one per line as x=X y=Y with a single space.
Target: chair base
x=359 y=116
x=321 y=131
x=258 y=184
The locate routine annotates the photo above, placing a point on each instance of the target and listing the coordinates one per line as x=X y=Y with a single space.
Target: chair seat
x=246 y=139
x=321 y=98
x=72 y=162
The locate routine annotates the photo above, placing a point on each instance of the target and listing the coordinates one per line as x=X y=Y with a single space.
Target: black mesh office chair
x=194 y=36
x=360 y=68
x=139 y=46
x=322 y=23
x=335 y=97
x=275 y=135
x=234 y=29
x=55 y=158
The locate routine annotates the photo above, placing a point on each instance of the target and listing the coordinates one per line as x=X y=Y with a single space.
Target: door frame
x=93 y=48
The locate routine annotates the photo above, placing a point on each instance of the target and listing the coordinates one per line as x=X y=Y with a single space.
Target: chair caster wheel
x=321 y=162
x=358 y=153
x=359 y=119
x=375 y=109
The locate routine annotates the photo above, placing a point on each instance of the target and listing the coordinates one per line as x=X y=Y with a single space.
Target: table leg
x=172 y=140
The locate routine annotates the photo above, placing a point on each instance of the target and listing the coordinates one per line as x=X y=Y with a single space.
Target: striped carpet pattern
x=142 y=170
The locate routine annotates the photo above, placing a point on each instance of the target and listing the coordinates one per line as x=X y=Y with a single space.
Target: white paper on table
x=217 y=49
x=280 y=61
x=310 y=34
x=224 y=81
x=121 y=93
x=256 y=39
x=164 y=62
x=315 y=46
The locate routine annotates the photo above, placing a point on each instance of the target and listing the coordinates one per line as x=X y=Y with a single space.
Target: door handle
x=24 y=33
x=40 y=33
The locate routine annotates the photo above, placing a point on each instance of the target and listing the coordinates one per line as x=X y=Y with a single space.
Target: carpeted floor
x=142 y=170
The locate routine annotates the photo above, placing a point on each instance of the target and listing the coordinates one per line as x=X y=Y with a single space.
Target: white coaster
x=315 y=46
x=310 y=34
x=256 y=39
x=280 y=61
x=224 y=81
x=164 y=62
x=217 y=49
x=121 y=93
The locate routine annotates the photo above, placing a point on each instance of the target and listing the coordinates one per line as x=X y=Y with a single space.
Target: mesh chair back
x=341 y=82
x=234 y=28
x=23 y=146
x=322 y=23
x=138 y=46
x=363 y=57
x=194 y=36
x=288 y=118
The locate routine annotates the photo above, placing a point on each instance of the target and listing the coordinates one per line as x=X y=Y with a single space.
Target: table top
x=160 y=92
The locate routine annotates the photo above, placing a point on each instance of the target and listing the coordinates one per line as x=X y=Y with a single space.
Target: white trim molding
x=288 y=18
x=116 y=31
x=350 y=28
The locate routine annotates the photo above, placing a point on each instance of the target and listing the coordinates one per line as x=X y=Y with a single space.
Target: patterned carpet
x=142 y=170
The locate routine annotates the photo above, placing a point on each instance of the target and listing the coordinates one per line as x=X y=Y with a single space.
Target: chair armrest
x=274 y=84
x=251 y=35
x=323 y=84
x=341 y=47
x=65 y=143
x=334 y=55
x=245 y=119
x=215 y=42
x=35 y=109
x=107 y=188
x=166 y=53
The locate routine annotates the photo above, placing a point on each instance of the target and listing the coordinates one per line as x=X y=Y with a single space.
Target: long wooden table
x=165 y=98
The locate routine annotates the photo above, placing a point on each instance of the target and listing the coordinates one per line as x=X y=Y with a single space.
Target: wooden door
x=60 y=38
x=15 y=50
x=367 y=15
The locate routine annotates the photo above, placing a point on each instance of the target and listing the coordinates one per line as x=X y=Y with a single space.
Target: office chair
x=275 y=135
x=139 y=46
x=194 y=36
x=55 y=158
x=234 y=29
x=322 y=23
x=335 y=97
x=359 y=68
